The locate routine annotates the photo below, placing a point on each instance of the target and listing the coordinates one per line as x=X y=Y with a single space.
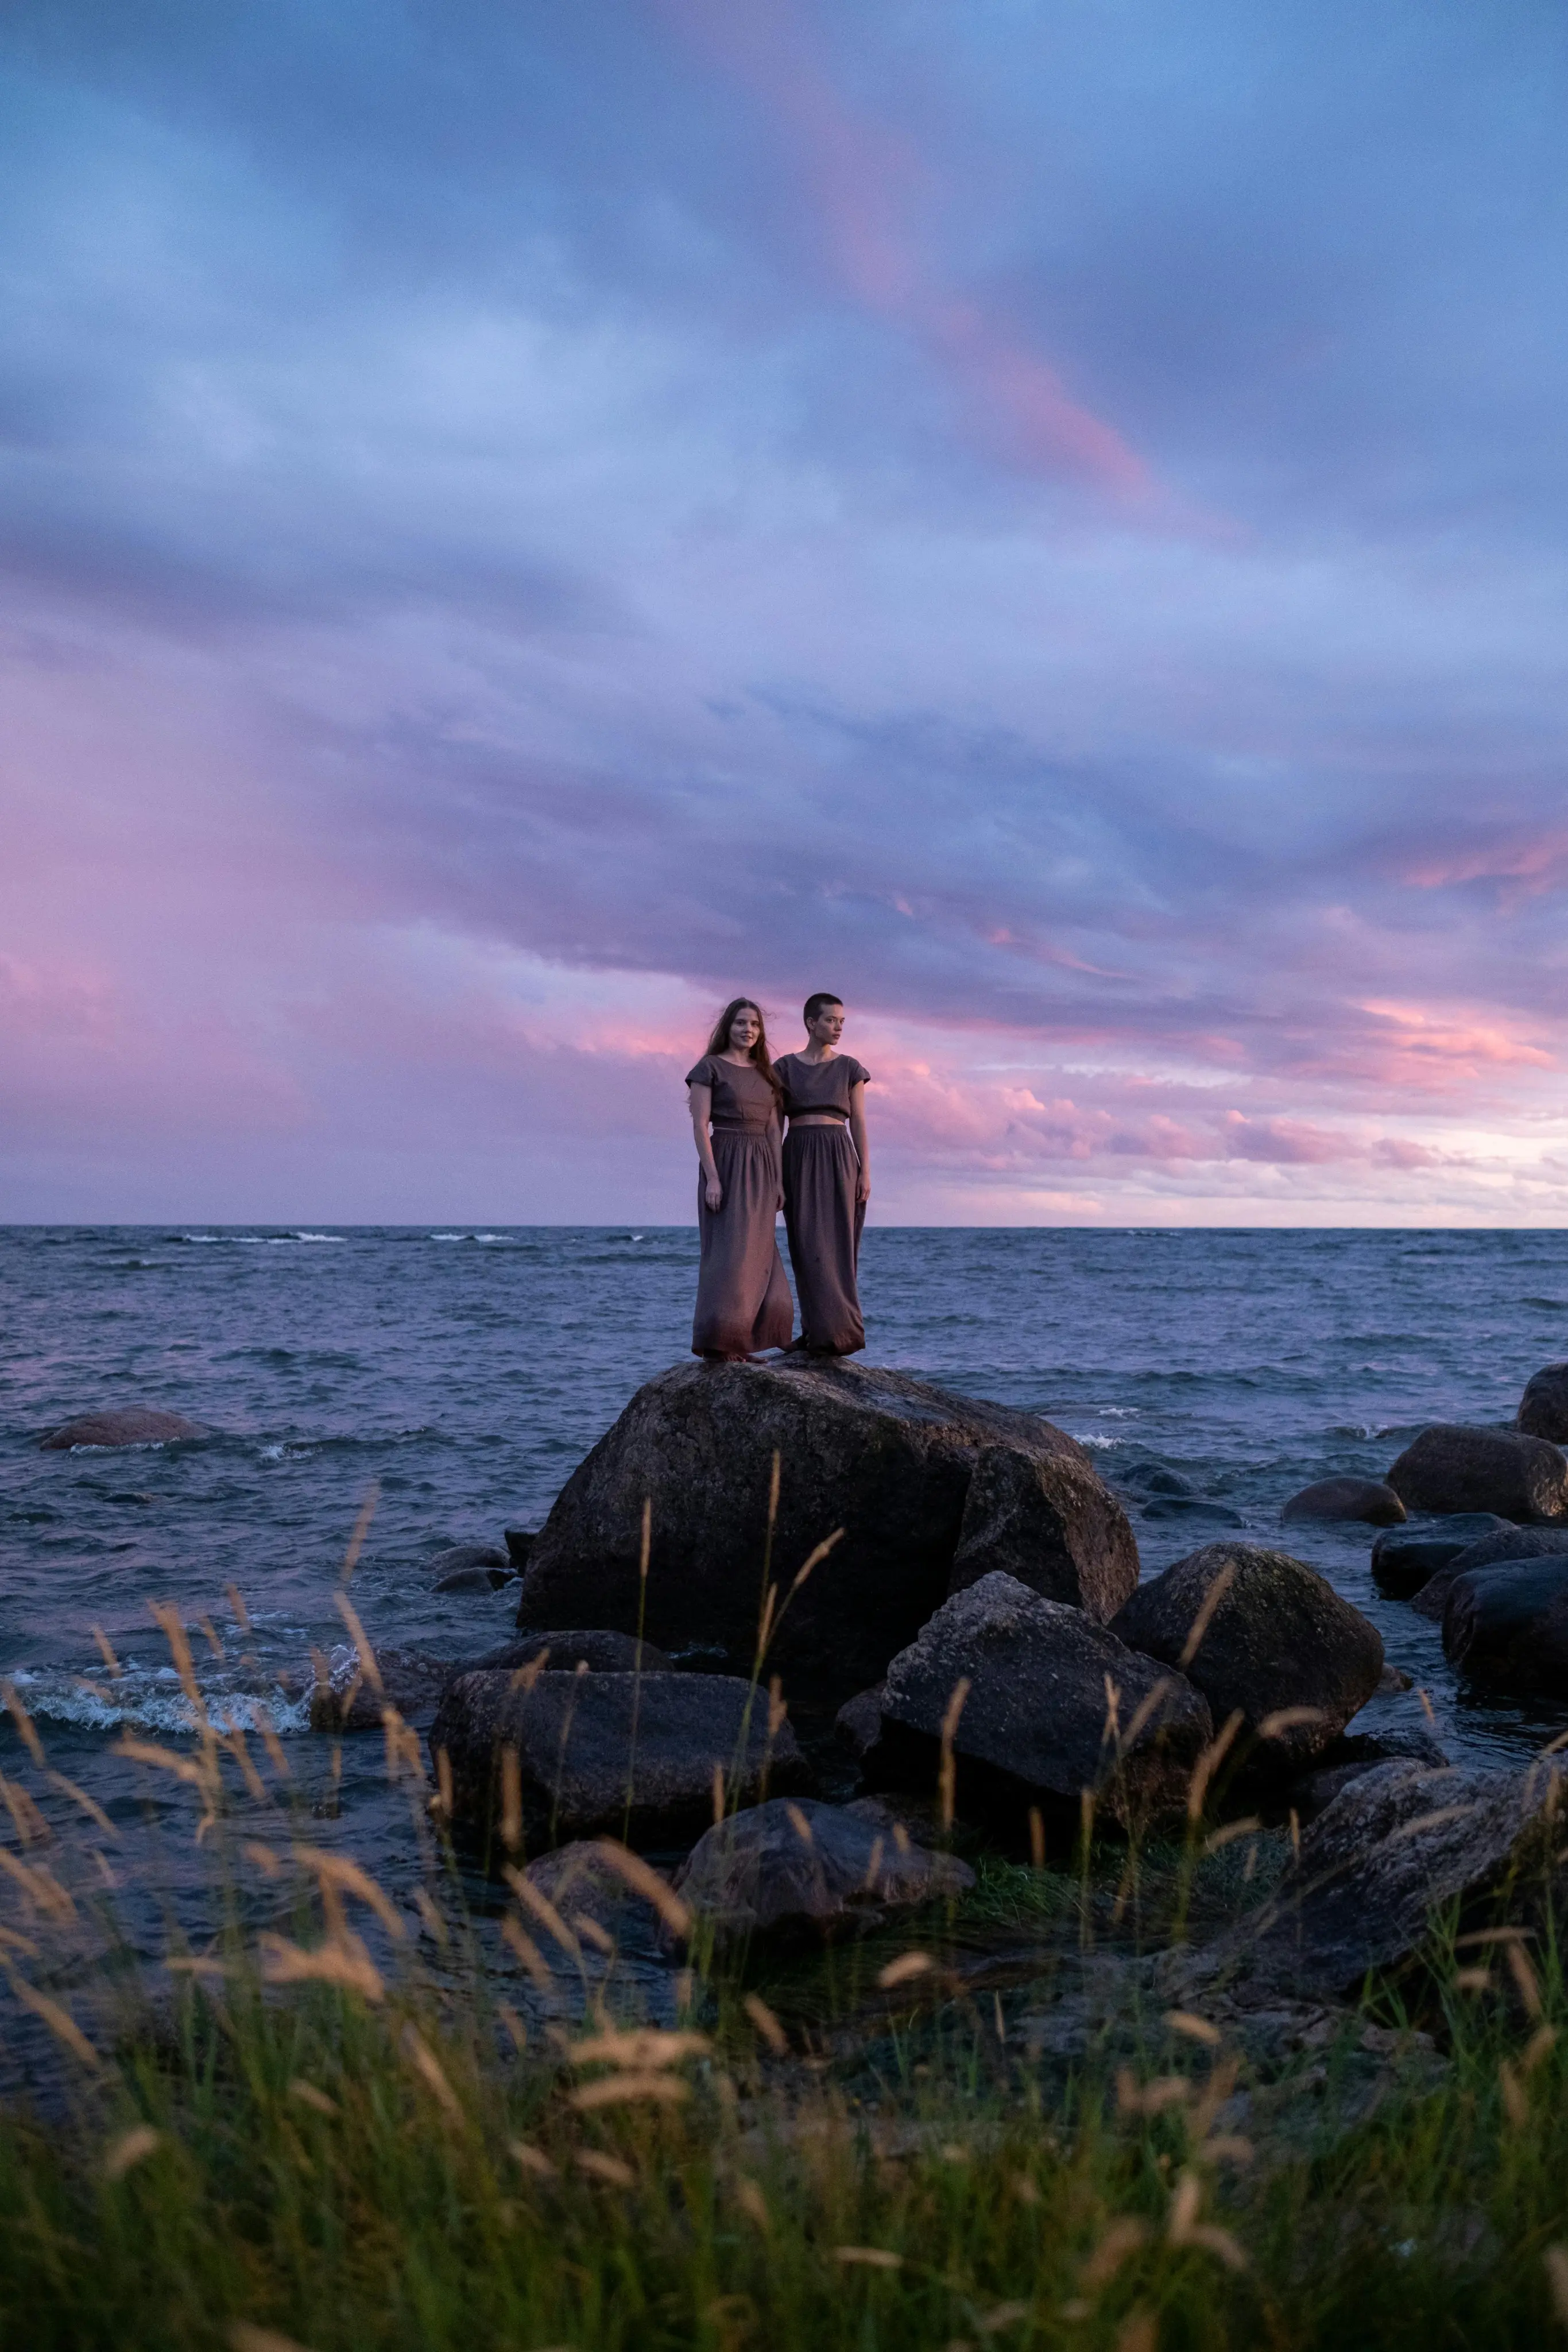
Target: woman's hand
x=863 y=1186
x=712 y=1193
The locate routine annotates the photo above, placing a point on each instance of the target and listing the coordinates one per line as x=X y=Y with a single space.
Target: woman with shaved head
x=743 y=1299
x=827 y=1179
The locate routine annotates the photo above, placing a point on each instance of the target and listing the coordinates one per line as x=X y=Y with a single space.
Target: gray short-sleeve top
x=818 y=1086
x=743 y=1101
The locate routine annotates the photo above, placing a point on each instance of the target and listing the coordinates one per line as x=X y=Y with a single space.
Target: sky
x=521 y=519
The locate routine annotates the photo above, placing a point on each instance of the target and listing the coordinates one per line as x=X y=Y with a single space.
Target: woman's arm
x=702 y=1112
x=857 y=1135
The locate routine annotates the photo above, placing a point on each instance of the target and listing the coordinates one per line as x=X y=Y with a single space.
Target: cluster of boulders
x=958 y=1579
x=1491 y=1565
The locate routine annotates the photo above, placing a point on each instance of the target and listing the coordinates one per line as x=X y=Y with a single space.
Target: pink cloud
x=865 y=183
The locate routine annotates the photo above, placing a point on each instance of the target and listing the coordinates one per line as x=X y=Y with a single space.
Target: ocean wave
x=1098 y=1440
x=156 y=1703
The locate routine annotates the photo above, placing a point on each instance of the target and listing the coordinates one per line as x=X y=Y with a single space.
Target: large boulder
x=1404 y=1558
x=1544 y=1407
x=1275 y=1638
x=1367 y=1500
x=883 y=1457
x=131 y=1425
x=1055 y=1704
x=1394 y=1844
x=594 y=1904
x=785 y=1867
x=1452 y=1468
x=598 y=1751
x=1507 y=1625
x=1501 y=1549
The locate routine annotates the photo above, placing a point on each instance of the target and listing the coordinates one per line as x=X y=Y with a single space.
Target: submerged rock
x=1500 y=1549
x=410 y=1681
x=470 y=1567
x=1275 y=1638
x=1192 y=1507
x=785 y=1867
x=130 y=1425
x=596 y=1751
x=1507 y=1625
x=1544 y=1407
x=1396 y=1844
x=1453 y=1468
x=885 y=1459
x=1055 y=1704
x=1403 y=1559
x=1366 y=1499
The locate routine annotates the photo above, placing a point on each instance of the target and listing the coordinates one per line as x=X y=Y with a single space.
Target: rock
x=601 y=1653
x=1499 y=1550
x=1392 y=1680
x=470 y=1567
x=1403 y=1559
x=1345 y=1759
x=1048 y=1519
x=520 y=1543
x=786 y=1867
x=573 y=1736
x=1279 y=1638
x=595 y=1903
x=1544 y=1407
x=1394 y=1844
x=1451 y=1468
x=131 y=1425
x=1507 y=1625
x=1154 y=1478
x=1192 y=1507
x=410 y=1681
x=1347 y=1498
x=859 y=1721
x=1033 y=1728
x=881 y=1456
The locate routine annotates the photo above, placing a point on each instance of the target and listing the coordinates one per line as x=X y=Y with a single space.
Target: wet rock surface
x=887 y=1459
x=1366 y=1499
x=128 y=1426
x=470 y=1567
x=1450 y=1468
x=1272 y=1638
x=632 y=1754
x=1507 y=1626
x=788 y=1868
x=1404 y=1559
x=1505 y=1546
x=1035 y=1725
x=1353 y=1753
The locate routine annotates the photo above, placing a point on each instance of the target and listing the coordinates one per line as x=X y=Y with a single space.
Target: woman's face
x=744 y=1030
x=829 y=1026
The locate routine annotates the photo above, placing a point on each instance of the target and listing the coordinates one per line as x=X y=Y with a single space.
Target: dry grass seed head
x=766 y=2025
x=24 y=1722
x=129 y=2149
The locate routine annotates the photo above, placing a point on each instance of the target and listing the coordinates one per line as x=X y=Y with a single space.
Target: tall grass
x=323 y=2138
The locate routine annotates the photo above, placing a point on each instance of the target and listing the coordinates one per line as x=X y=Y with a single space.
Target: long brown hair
x=719 y=1041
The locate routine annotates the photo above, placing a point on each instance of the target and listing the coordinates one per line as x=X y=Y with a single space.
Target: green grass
x=342 y=2168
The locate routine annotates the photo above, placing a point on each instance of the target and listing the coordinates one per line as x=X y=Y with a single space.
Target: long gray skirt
x=743 y=1297
x=824 y=1221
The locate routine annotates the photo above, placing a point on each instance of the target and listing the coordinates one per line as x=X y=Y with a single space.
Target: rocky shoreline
x=773 y=1584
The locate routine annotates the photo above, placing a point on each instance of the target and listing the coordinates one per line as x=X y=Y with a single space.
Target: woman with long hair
x=827 y=1179
x=743 y=1299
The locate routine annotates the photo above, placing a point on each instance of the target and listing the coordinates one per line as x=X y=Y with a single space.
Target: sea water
x=462 y=1373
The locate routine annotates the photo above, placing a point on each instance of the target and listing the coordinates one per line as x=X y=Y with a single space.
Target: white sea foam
x=156 y=1703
